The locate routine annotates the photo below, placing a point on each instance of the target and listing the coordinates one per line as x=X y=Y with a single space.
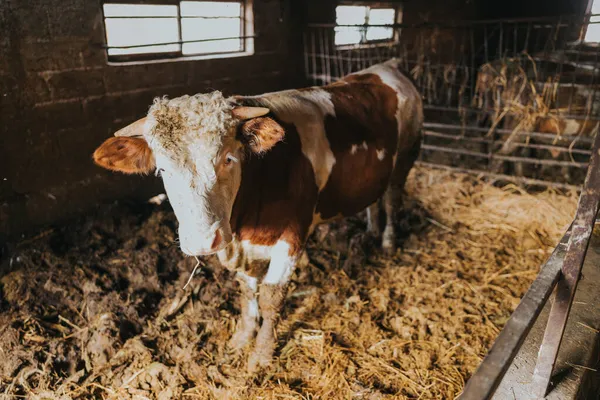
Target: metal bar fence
x=581 y=232
x=523 y=92
x=491 y=371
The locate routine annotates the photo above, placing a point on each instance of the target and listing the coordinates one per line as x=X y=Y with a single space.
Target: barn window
x=177 y=29
x=348 y=17
x=592 y=33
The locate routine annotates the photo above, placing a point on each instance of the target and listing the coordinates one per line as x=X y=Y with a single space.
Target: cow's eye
x=230 y=159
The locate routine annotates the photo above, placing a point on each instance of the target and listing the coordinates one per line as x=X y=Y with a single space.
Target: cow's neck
x=277 y=191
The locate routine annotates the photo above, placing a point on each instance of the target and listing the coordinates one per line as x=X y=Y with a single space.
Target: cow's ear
x=130 y=155
x=262 y=133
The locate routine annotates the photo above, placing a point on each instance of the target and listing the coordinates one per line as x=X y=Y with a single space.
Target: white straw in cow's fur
x=193 y=272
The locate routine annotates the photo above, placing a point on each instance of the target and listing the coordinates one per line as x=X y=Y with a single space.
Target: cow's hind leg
x=248 y=321
x=392 y=199
x=392 y=202
x=373 y=225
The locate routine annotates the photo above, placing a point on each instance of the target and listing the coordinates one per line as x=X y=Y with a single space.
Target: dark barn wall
x=531 y=8
x=413 y=12
x=416 y=11
x=59 y=99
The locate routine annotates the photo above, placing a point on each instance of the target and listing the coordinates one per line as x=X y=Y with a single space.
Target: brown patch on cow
x=558 y=126
x=554 y=126
x=129 y=155
x=262 y=134
x=550 y=125
x=277 y=195
x=365 y=113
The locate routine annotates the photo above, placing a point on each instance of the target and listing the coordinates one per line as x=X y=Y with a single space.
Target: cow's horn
x=134 y=129
x=249 y=112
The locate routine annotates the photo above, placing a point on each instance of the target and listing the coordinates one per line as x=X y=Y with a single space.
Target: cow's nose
x=217 y=240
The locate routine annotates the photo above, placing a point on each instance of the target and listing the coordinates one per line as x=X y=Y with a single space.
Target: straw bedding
x=96 y=309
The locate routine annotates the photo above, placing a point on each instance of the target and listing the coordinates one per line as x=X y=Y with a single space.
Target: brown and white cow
x=250 y=177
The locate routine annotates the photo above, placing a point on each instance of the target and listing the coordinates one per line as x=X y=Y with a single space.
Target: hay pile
x=96 y=310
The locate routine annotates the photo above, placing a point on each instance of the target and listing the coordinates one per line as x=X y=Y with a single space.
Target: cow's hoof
x=260 y=358
x=389 y=249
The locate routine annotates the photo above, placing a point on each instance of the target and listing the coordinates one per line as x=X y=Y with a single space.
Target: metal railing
x=563 y=272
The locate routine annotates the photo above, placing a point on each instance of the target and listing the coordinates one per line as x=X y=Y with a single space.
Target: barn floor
x=96 y=309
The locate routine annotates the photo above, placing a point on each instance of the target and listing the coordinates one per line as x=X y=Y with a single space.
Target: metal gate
x=514 y=99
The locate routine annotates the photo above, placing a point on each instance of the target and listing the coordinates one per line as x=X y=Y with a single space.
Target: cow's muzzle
x=202 y=245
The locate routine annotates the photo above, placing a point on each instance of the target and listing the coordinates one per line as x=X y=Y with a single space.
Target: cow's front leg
x=272 y=292
x=248 y=321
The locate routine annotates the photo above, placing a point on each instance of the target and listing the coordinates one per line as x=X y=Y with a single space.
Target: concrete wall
x=59 y=99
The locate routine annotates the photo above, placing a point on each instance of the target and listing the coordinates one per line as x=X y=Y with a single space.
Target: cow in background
x=249 y=178
x=524 y=94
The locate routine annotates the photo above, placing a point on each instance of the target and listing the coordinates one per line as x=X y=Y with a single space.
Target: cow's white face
x=197 y=144
x=198 y=157
x=202 y=192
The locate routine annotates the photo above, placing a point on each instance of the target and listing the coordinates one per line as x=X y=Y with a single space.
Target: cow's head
x=197 y=144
